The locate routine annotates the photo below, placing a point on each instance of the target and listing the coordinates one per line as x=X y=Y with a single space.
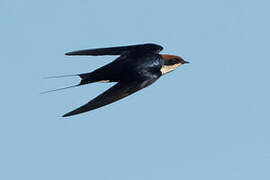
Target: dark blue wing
x=116 y=50
x=115 y=93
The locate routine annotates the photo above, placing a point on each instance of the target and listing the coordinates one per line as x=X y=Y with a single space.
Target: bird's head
x=171 y=62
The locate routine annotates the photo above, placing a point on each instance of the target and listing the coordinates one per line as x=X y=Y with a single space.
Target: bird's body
x=137 y=67
x=128 y=67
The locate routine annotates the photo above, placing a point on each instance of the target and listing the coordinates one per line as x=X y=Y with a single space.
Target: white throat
x=165 y=68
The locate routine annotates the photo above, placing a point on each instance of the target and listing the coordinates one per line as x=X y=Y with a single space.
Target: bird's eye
x=172 y=62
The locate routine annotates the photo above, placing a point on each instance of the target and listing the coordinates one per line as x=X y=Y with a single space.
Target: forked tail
x=85 y=79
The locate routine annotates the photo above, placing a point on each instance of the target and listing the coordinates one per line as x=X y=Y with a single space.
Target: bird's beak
x=186 y=62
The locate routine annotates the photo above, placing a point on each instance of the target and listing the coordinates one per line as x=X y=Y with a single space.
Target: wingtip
x=65 y=115
x=70 y=113
x=68 y=54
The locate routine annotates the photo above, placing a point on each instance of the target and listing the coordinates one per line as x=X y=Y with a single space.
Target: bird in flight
x=137 y=67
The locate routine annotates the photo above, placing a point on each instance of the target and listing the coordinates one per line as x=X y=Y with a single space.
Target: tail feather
x=85 y=79
x=61 y=76
x=59 y=89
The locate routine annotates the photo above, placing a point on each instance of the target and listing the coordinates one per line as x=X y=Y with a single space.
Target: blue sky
x=206 y=120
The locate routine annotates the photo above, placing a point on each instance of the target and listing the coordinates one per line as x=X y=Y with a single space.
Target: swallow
x=137 y=67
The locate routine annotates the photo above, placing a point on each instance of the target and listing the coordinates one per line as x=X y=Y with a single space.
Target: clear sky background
x=207 y=120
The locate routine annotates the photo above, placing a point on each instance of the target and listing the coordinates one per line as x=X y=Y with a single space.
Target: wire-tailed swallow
x=137 y=67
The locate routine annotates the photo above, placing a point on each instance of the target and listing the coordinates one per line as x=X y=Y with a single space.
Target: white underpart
x=104 y=81
x=165 y=69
